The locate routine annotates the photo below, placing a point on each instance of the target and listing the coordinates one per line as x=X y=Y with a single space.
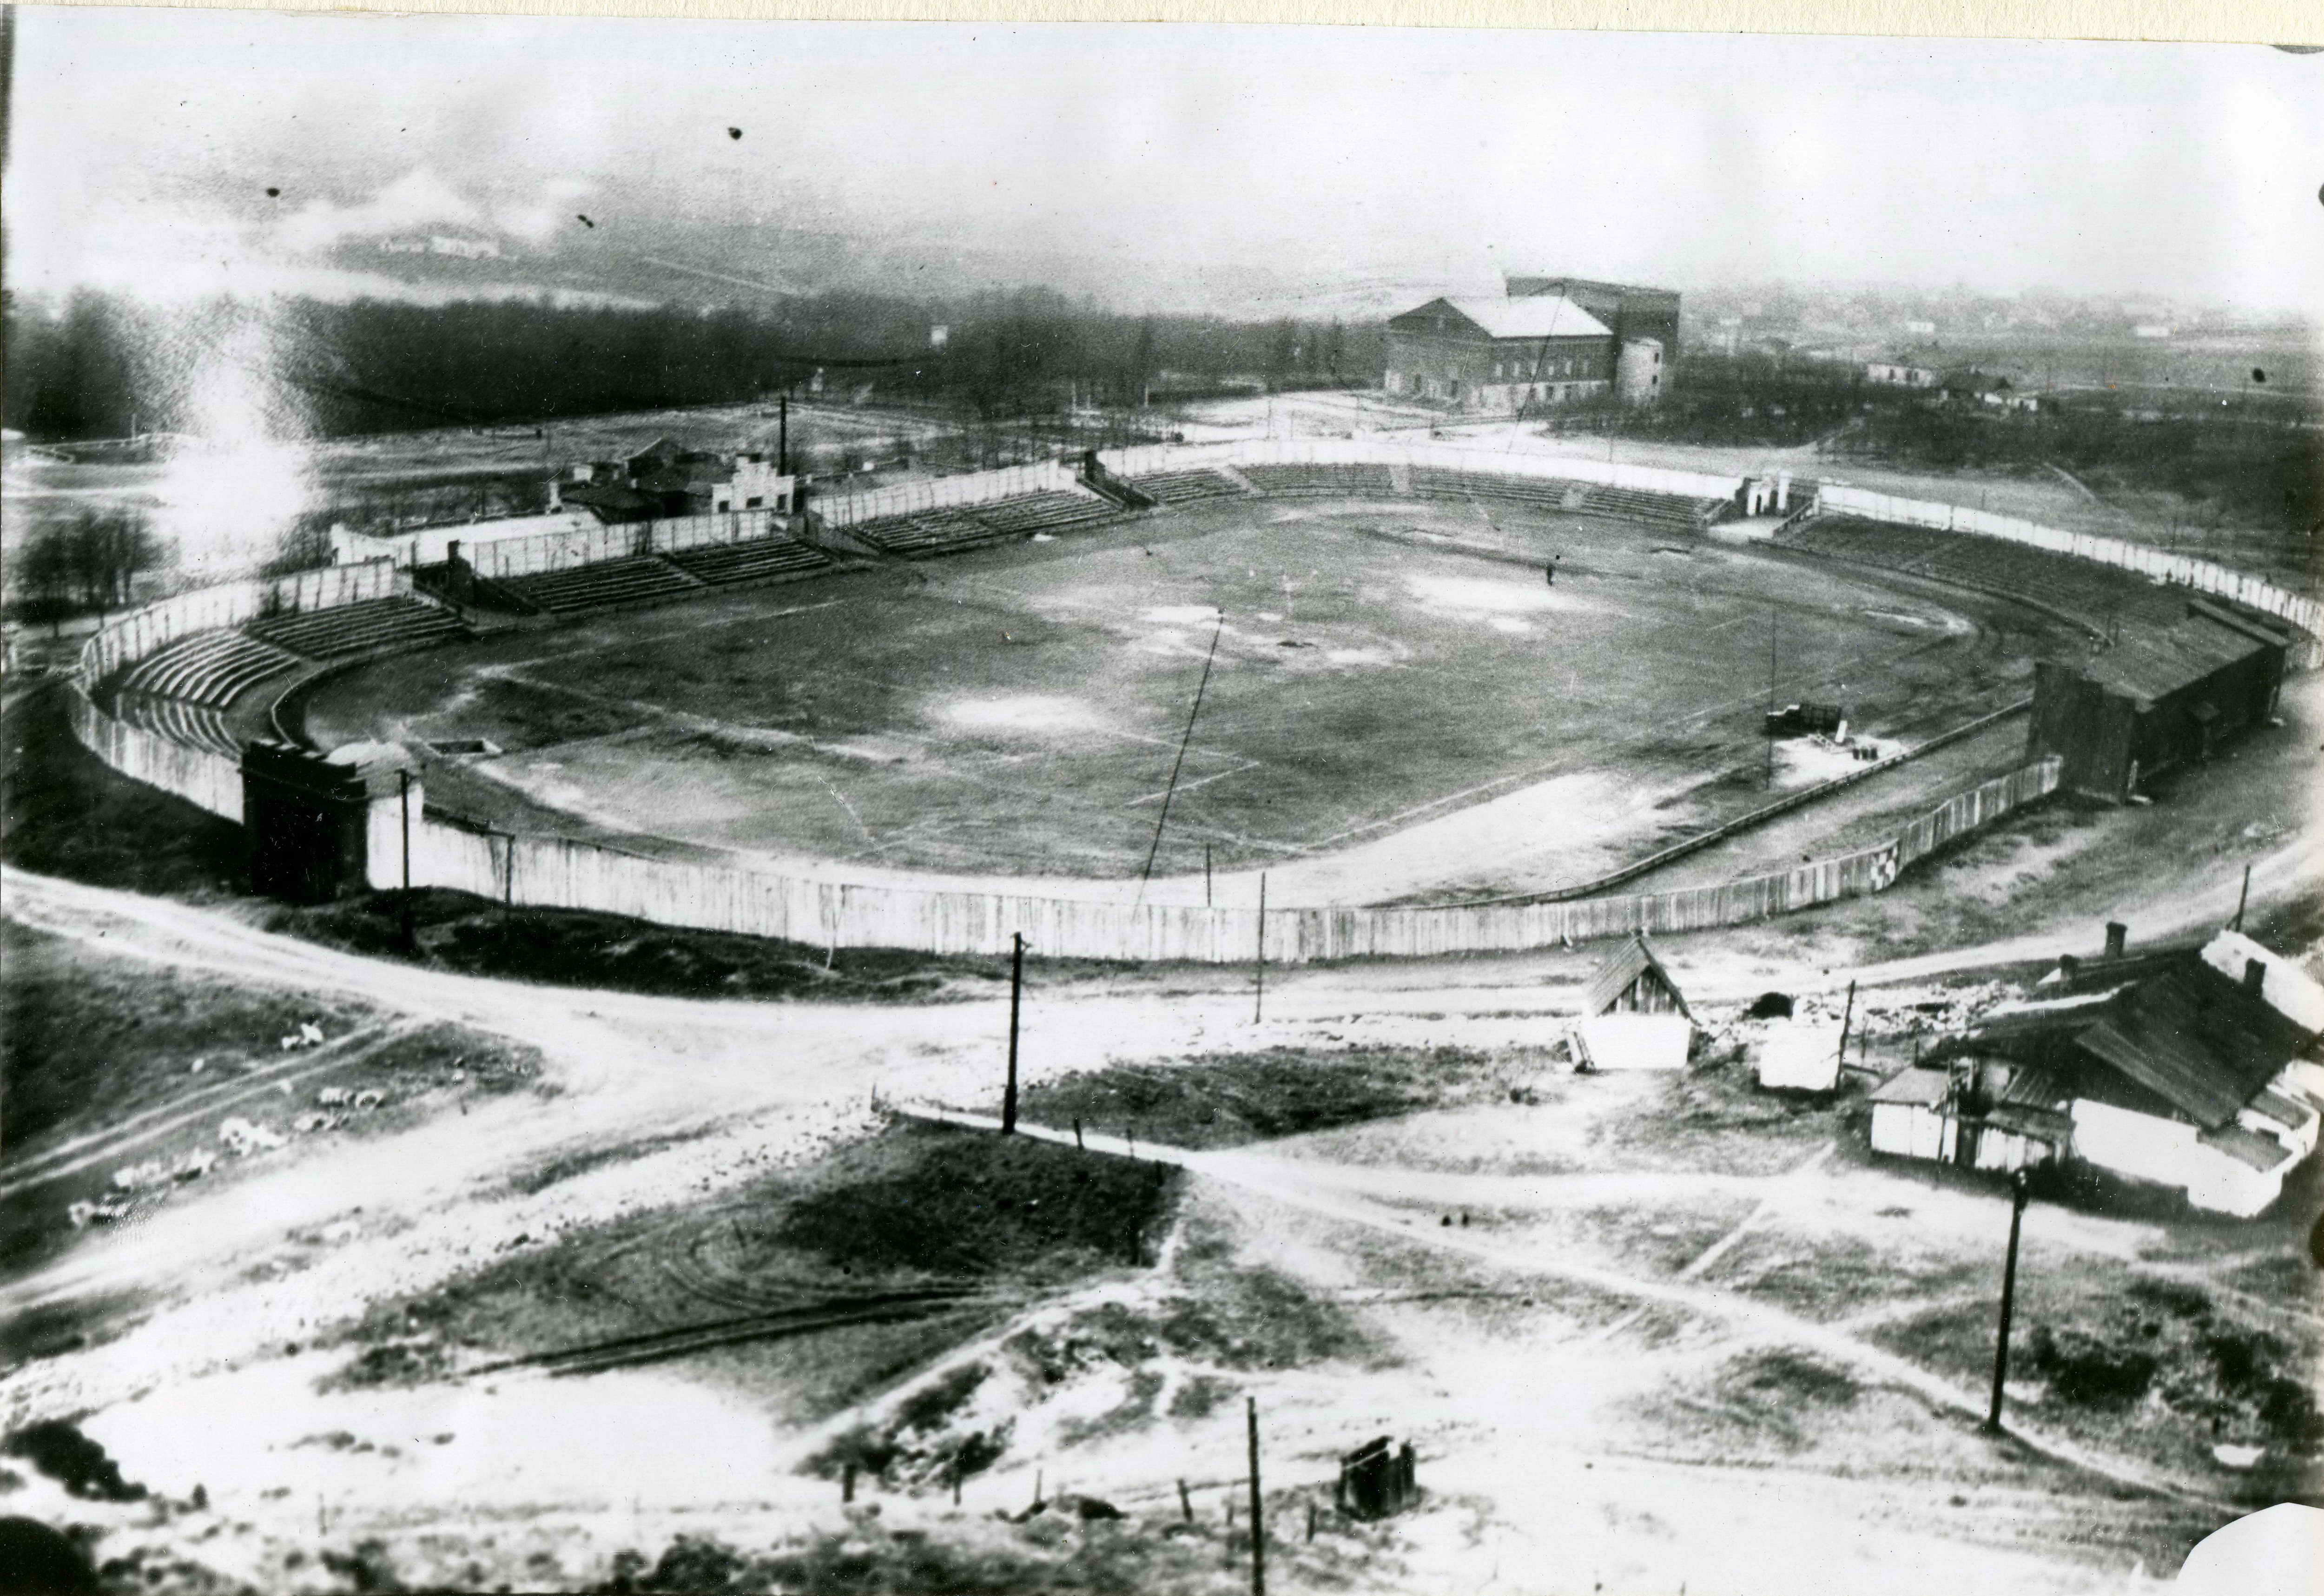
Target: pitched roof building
x=2165 y=1069
x=2157 y=697
x=1550 y=342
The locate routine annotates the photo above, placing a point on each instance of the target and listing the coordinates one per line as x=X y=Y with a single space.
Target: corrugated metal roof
x=2030 y=1086
x=2153 y=663
x=1539 y=316
x=2197 y=1040
x=2247 y=1147
x=2275 y=1106
x=1924 y=1087
x=1633 y=959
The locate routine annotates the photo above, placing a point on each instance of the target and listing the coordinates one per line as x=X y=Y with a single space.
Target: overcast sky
x=1363 y=160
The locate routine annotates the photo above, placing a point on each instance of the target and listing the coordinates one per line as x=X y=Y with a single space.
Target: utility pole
x=2243 y=897
x=1257 y=1520
x=2017 y=1184
x=1206 y=875
x=1258 y=989
x=1015 y=999
x=403 y=792
x=783 y=435
x=1769 y=725
x=1846 y=1015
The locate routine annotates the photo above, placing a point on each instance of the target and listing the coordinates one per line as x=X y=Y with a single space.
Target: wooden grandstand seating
x=356 y=628
x=925 y=533
x=2091 y=593
x=193 y=725
x=1182 y=487
x=760 y=560
x=1363 y=480
x=1677 y=512
x=211 y=668
x=607 y=582
x=1045 y=511
x=1546 y=493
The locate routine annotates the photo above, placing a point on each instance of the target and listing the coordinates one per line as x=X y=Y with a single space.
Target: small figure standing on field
x=1550 y=570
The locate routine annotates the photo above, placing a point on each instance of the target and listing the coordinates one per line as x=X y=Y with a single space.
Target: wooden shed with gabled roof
x=1633 y=1016
x=1635 y=981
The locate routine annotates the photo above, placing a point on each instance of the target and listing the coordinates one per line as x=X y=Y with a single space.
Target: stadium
x=1298 y=700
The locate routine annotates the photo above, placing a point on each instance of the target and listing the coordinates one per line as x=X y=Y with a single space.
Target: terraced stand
x=358 y=628
x=761 y=559
x=2091 y=593
x=1668 y=511
x=194 y=726
x=1185 y=487
x=609 y=582
x=212 y=668
x=1360 y=480
x=925 y=534
x=1055 y=510
x=1540 y=492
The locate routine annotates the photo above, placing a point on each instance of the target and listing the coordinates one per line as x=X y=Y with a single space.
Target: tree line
x=99 y=366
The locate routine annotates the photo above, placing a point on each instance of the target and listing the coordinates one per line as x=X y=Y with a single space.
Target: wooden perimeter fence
x=562 y=873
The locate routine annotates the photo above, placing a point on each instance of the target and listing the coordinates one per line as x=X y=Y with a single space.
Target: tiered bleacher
x=194 y=726
x=1542 y=493
x=925 y=533
x=2093 y=594
x=1054 y=511
x=759 y=561
x=210 y=667
x=1184 y=487
x=358 y=628
x=608 y=582
x=1675 y=512
x=1363 y=481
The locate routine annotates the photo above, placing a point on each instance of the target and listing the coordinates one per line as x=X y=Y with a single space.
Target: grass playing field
x=1379 y=666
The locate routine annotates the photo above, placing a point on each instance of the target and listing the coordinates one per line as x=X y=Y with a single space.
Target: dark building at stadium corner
x=2157 y=697
x=1550 y=343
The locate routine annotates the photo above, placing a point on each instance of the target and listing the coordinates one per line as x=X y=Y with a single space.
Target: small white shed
x=1795 y=1057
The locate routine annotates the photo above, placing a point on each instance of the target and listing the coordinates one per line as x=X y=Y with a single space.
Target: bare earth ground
x=1400 y=704
x=1688 y=1338
x=1668 y=1329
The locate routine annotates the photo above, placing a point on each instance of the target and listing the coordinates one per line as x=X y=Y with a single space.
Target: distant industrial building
x=2158 y=697
x=1551 y=342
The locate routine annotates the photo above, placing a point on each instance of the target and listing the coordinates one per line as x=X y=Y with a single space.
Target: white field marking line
x=840 y=798
x=264 y=1076
x=1763 y=1319
x=393 y=1033
x=1156 y=798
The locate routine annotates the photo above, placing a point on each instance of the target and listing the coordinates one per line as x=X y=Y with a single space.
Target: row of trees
x=94 y=366
x=89 y=561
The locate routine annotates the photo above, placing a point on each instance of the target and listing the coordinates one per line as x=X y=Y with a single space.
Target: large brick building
x=1553 y=341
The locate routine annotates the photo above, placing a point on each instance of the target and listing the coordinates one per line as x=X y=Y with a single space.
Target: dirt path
x=1303 y=1185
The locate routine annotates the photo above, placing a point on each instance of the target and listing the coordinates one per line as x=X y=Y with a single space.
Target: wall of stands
x=1145 y=459
x=939 y=493
x=2183 y=570
x=556 y=872
x=155 y=626
x=211 y=780
x=588 y=545
x=559 y=873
